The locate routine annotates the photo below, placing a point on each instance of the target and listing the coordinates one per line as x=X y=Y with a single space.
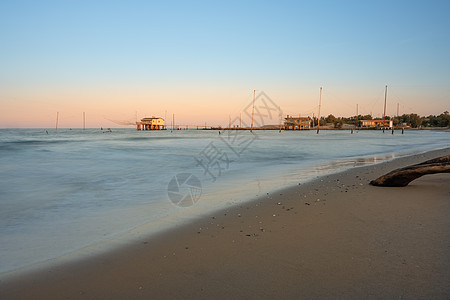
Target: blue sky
x=144 y=53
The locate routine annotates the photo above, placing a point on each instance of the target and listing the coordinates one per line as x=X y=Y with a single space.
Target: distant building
x=152 y=123
x=301 y=123
x=377 y=123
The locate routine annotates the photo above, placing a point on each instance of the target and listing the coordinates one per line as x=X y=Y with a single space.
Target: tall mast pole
x=84 y=120
x=318 y=117
x=356 y=124
x=384 y=111
x=57 y=117
x=253 y=110
x=281 y=117
x=398 y=118
x=173 y=121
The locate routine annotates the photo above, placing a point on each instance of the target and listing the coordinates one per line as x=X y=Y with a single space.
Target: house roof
x=300 y=118
x=152 y=118
x=375 y=120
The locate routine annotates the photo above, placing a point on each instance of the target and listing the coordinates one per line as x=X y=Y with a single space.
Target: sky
x=202 y=60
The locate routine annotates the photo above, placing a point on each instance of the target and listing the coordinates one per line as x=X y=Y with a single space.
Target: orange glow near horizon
x=190 y=106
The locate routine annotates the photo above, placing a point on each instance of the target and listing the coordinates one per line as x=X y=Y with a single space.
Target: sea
x=64 y=191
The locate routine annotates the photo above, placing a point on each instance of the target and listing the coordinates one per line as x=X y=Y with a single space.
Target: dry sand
x=334 y=237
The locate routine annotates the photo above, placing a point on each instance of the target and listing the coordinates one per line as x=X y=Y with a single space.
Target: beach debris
x=403 y=176
x=279 y=203
x=307 y=203
x=253 y=234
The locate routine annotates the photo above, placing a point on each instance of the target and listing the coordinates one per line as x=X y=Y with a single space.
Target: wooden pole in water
x=253 y=110
x=229 y=121
x=384 y=111
x=318 y=117
x=57 y=117
x=84 y=120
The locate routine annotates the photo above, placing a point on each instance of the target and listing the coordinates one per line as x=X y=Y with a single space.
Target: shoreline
x=155 y=228
x=270 y=247
x=286 y=162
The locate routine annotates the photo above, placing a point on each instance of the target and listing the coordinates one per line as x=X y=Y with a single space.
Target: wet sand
x=333 y=237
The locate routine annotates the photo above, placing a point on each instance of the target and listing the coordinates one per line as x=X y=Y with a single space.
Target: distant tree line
x=412 y=120
x=443 y=120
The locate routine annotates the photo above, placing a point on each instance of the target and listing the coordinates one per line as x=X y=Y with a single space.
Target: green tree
x=322 y=121
x=444 y=119
x=338 y=123
x=415 y=120
x=330 y=119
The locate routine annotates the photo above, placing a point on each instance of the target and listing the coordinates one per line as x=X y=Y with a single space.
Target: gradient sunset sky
x=201 y=60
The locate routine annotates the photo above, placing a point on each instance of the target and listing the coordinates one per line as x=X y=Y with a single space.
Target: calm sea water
x=68 y=189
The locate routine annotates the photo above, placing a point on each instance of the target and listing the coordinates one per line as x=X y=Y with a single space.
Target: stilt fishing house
x=292 y=123
x=152 y=123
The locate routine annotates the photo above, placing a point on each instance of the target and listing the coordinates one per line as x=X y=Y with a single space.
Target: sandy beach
x=333 y=237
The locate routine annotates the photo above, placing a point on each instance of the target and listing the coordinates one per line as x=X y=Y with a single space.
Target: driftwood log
x=403 y=176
